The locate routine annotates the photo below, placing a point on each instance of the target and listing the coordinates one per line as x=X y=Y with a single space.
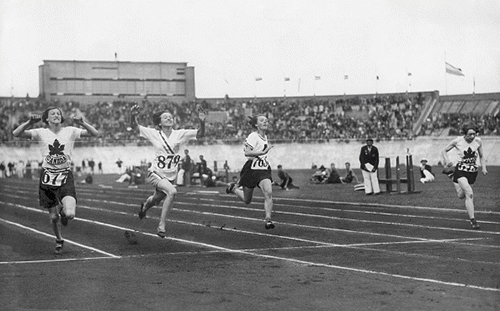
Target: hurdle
x=398 y=180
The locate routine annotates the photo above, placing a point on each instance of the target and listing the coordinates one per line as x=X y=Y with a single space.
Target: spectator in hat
x=425 y=172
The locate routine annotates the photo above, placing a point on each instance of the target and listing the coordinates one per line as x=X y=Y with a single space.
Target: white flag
x=453 y=70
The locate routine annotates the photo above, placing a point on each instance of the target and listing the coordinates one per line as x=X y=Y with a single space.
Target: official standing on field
x=369 y=159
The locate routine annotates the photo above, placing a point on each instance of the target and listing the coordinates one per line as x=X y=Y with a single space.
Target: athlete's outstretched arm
x=19 y=131
x=90 y=129
x=481 y=159
x=134 y=111
x=444 y=153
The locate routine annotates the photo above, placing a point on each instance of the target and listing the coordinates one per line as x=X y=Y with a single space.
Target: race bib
x=168 y=163
x=54 y=178
x=260 y=163
x=471 y=168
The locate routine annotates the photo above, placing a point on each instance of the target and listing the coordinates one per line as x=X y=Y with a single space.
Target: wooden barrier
x=398 y=180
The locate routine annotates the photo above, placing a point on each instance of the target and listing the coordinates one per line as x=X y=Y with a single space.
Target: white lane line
x=333 y=217
x=65 y=240
x=359 y=246
x=277 y=199
x=370 y=212
x=297 y=261
x=54 y=260
x=340 y=230
x=316 y=264
x=289 y=224
x=379 y=205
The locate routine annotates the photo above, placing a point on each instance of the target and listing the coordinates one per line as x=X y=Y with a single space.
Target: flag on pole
x=409 y=74
x=453 y=70
x=317 y=78
x=346 y=77
x=298 y=88
x=377 y=78
x=287 y=79
x=258 y=79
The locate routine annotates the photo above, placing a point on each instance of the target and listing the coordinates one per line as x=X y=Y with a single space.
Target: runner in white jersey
x=167 y=143
x=56 y=186
x=469 y=149
x=257 y=171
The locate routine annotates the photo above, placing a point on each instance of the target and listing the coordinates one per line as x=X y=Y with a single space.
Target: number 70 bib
x=260 y=163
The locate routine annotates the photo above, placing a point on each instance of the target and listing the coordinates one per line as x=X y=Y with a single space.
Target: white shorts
x=154 y=177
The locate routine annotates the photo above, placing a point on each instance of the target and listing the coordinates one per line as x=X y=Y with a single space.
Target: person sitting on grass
x=286 y=181
x=319 y=175
x=349 y=175
x=333 y=176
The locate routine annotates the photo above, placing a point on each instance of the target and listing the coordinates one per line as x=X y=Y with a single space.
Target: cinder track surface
x=332 y=249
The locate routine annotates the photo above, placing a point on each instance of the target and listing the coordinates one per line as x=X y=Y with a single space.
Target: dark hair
x=45 y=114
x=369 y=139
x=157 y=117
x=468 y=126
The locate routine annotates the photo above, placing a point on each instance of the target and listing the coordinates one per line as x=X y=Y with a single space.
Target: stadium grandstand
x=293 y=119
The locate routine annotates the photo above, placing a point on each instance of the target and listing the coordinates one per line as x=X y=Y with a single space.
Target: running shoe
x=269 y=224
x=230 y=188
x=142 y=213
x=59 y=246
x=161 y=233
x=64 y=218
x=474 y=224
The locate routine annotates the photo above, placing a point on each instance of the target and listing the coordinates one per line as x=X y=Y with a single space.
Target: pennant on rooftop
x=453 y=70
x=258 y=79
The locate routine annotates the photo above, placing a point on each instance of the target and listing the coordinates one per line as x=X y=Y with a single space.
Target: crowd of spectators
x=435 y=124
x=291 y=120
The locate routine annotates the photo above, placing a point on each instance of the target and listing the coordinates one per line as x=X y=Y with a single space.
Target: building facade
x=92 y=81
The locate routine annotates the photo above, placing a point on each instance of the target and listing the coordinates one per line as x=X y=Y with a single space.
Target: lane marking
x=292 y=260
x=52 y=236
x=359 y=246
x=326 y=217
x=277 y=199
x=295 y=225
x=54 y=260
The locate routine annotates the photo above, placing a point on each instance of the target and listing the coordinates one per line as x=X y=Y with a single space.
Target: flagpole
x=445 y=78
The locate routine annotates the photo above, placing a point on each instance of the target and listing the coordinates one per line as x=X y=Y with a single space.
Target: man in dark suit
x=369 y=159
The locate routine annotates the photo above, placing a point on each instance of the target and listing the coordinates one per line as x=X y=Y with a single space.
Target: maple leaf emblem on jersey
x=469 y=156
x=469 y=153
x=56 y=148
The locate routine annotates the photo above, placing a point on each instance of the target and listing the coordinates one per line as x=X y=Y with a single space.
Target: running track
x=417 y=244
